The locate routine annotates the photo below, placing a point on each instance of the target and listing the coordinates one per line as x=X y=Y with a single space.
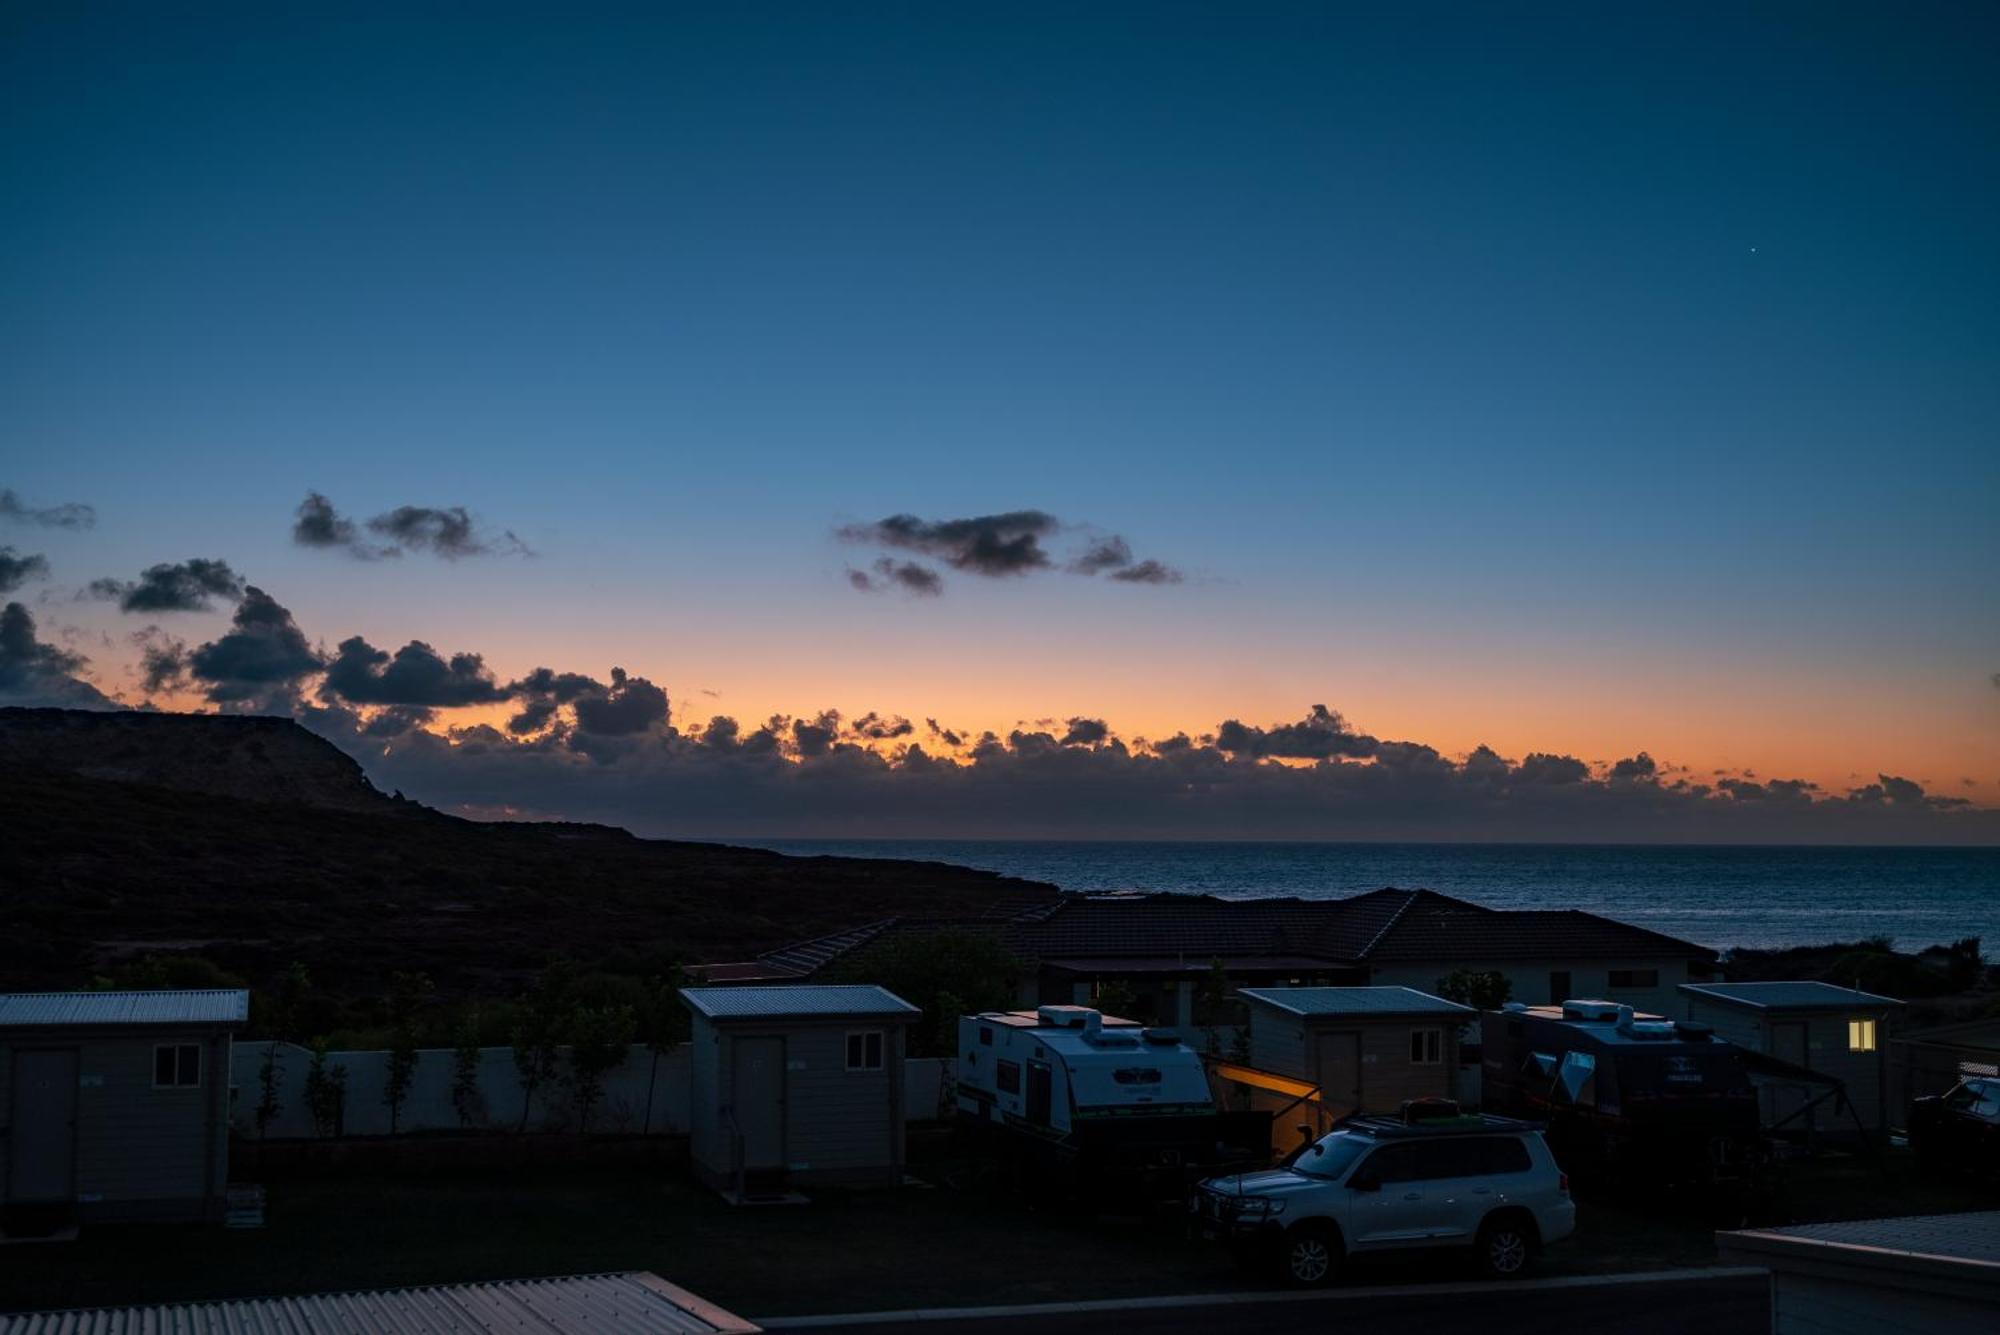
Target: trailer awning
x=1277 y=1084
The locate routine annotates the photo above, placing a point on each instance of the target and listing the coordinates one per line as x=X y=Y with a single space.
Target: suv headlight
x=1258 y=1206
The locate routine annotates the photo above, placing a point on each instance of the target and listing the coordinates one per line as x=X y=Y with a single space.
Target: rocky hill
x=249 y=843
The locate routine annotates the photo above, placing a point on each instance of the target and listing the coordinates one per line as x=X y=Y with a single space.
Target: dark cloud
x=878 y=728
x=917 y=580
x=993 y=545
x=163 y=661
x=449 y=532
x=260 y=662
x=16 y=569
x=629 y=705
x=1110 y=553
x=1321 y=735
x=1086 y=732
x=36 y=673
x=187 y=586
x=417 y=676
x=949 y=736
x=1635 y=769
x=1149 y=572
x=815 y=737
x=1539 y=767
x=70 y=514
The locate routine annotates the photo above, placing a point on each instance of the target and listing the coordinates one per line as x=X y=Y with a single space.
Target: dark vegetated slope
x=94 y=870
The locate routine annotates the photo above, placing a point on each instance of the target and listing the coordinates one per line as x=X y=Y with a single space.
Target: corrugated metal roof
x=218 y=1006
x=629 y=1304
x=1801 y=996
x=1361 y=1001
x=1974 y=1237
x=802 y=999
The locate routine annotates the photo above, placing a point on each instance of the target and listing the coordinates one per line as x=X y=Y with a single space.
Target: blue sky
x=1560 y=377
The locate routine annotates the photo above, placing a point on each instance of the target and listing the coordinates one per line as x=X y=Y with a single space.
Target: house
x=1153 y=954
x=796 y=1085
x=1362 y=1049
x=1936 y=1273
x=116 y=1105
x=1834 y=1031
x=634 y=1303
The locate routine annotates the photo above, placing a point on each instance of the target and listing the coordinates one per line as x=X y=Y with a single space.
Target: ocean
x=1716 y=896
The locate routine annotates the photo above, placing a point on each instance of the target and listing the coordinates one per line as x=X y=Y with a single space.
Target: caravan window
x=1008 y=1077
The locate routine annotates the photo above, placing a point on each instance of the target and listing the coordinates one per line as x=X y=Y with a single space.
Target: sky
x=1559 y=381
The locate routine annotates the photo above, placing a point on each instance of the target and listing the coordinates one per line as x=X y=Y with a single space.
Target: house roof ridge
x=1388 y=926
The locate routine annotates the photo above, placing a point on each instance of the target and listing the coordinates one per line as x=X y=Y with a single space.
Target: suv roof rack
x=1395 y=1128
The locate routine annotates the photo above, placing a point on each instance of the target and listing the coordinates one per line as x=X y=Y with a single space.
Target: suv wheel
x=1311 y=1255
x=1506 y=1247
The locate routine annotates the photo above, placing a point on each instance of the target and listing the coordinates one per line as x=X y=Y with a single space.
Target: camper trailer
x=1080 y=1100
x=1628 y=1098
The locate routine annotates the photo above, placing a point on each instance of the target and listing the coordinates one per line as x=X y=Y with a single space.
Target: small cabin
x=1366 y=1049
x=1833 y=1031
x=796 y=1086
x=116 y=1106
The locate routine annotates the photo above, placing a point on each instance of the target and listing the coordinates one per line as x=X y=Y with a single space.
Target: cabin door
x=1339 y=1074
x=1040 y=1085
x=41 y=1164
x=759 y=1101
x=1788 y=1044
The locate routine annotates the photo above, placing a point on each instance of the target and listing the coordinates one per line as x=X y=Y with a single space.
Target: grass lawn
x=910 y=1248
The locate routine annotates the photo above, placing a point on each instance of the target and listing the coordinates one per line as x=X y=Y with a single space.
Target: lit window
x=1861 y=1036
x=177 y=1066
x=864 y=1050
x=1426 y=1047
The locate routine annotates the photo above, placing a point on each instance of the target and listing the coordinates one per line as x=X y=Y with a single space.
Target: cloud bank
x=189 y=586
x=70 y=514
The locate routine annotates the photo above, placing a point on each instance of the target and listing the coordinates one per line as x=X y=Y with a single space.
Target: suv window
x=1503 y=1154
x=1397 y=1163
x=1338 y=1151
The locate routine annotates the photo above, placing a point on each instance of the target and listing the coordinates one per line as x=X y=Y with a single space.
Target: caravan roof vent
x=1591 y=1010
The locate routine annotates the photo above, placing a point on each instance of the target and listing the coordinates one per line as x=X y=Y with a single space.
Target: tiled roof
x=630 y=1304
x=217 y=1006
x=803 y=1000
x=1354 y=1001
x=1381 y=926
x=1789 y=996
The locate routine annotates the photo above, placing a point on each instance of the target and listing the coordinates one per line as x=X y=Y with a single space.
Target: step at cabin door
x=759 y=1099
x=41 y=1159
x=1339 y=1074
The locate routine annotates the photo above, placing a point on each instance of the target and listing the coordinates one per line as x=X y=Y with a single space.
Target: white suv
x=1379 y=1185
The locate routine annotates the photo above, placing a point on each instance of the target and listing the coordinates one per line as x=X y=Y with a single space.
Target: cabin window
x=177 y=1066
x=1426 y=1047
x=1630 y=978
x=1008 y=1077
x=985 y=1035
x=864 y=1050
x=1861 y=1036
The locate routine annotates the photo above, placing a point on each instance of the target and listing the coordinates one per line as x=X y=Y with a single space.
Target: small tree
x=406 y=992
x=1485 y=990
x=944 y=974
x=283 y=1009
x=466 y=1099
x=538 y=1032
x=662 y=1022
x=600 y=1038
x=326 y=1091
x=1117 y=998
x=1215 y=1001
